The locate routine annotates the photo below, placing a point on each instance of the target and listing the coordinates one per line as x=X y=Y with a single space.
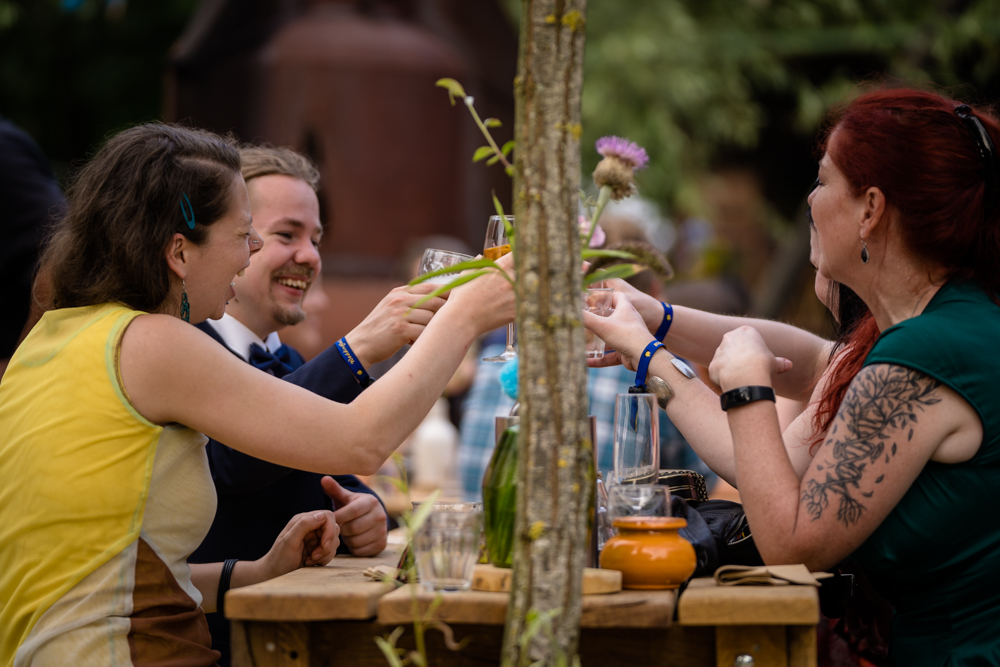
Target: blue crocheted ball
x=508 y=378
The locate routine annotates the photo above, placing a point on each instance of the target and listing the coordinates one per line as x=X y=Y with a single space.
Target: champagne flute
x=496 y=246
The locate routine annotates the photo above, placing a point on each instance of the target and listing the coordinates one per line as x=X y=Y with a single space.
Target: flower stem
x=486 y=133
x=602 y=200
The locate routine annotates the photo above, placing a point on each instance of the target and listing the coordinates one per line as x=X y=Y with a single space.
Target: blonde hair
x=267 y=160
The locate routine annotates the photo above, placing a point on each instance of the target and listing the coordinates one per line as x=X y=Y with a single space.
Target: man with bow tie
x=257 y=498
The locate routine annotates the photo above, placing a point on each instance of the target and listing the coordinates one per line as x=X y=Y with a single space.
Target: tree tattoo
x=880 y=403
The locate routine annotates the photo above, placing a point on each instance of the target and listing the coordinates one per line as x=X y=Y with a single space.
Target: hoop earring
x=185 y=306
x=864 y=252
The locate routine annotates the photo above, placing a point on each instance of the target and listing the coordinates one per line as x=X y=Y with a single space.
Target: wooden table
x=330 y=615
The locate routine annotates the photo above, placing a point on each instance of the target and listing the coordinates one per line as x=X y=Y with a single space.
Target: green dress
x=937 y=554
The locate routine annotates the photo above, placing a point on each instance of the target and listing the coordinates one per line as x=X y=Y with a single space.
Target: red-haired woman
x=906 y=216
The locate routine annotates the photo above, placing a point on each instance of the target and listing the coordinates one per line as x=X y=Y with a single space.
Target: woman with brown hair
x=104 y=406
x=906 y=216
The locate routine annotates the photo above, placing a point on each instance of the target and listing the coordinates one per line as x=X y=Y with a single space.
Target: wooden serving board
x=494 y=579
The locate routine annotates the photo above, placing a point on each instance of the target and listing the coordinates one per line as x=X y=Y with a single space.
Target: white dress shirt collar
x=238 y=337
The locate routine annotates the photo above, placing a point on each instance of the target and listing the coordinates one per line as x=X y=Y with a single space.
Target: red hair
x=847 y=362
x=912 y=146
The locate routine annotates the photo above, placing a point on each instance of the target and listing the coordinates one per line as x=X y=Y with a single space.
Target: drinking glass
x=638 y=500
x=496 y=246
x=597 y=300
x=637 y=439
x=434 y=260
x=446 y=548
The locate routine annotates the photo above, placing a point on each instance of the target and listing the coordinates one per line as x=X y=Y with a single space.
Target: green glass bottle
x=499 y=498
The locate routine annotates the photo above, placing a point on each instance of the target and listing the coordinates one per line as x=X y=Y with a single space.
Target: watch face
x=683 y=368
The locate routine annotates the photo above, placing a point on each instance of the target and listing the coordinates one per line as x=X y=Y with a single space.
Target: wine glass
x=435 y=260
x=636 y=439
x=496 y=246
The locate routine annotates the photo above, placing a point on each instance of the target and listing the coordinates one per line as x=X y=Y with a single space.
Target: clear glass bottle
x=500 y=495
x=602 y=522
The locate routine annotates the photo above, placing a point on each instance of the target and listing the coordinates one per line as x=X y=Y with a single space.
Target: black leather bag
x=717 y=529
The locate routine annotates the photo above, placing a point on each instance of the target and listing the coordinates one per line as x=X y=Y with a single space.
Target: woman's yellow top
x=99 y=508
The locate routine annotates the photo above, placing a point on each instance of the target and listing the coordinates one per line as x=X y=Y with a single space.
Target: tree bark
x=556 y=467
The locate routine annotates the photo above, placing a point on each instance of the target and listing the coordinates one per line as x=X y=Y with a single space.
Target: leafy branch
x=499 y=154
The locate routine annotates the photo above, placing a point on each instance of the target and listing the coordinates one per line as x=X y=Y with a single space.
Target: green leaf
x=508 y=228
x=616 y=271
x=492 y=122
x=399 y=484
x=453 y=87
x=509 y=169
x=618 y=254
x=419 y=516
x=389 y=652
x=507 y=148
x=480 y=263
x=461 y=280
x=482 y=152
x=493 y=160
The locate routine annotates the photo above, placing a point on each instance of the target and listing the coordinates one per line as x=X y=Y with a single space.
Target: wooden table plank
x=627 y=609
x=337 y=591
x=706 y=603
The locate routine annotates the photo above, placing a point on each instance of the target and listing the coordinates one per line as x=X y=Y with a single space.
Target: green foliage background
x=70 y=78
x=700 y=80
x=694 y=81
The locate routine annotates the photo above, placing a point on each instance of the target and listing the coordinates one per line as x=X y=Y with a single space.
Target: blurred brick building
x=351 y=84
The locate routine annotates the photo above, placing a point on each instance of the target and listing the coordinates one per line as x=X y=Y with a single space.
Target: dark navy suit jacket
x=257 y=498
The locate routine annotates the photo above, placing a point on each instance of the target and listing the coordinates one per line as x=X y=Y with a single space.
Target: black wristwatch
x=735 y=398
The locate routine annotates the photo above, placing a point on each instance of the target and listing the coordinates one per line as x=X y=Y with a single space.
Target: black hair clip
x=987 y=154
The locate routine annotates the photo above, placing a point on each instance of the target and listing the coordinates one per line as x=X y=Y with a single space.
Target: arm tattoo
x=881 y=398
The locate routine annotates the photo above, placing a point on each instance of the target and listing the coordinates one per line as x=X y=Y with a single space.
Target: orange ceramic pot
x=649 y=552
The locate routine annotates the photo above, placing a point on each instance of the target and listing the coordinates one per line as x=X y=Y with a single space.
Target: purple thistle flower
x=627 y=151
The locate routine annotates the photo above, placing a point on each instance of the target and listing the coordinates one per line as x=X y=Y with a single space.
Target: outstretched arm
x=221 y=396
x=695 y=335
x=694 y=409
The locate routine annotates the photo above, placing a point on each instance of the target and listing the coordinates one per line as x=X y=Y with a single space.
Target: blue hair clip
x=187 y=210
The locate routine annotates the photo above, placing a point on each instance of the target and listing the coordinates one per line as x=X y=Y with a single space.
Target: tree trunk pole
x=556 y=466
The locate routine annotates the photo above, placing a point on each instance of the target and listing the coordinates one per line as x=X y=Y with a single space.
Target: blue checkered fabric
x=485 y=401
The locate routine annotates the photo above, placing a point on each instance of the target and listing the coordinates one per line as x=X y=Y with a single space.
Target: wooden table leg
x=256 y=644
x=766 y=644
x=778 y=645
x=802 y=648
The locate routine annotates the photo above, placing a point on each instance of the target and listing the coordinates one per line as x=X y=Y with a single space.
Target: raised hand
x=361 y=518
x=393 y=323
x=744 y=359
x=624 y=331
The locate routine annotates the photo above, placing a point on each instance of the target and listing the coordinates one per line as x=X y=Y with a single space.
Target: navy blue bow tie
x=280 y=363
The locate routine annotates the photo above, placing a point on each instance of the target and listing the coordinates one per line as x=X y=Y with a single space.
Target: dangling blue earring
x=864 y=252
x=185 y=306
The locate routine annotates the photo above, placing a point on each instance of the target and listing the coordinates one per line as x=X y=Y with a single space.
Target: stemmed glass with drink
x=496 y=245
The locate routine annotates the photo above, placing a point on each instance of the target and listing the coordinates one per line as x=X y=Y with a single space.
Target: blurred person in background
x=31 y=200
